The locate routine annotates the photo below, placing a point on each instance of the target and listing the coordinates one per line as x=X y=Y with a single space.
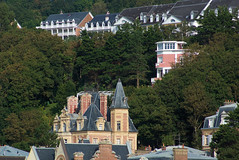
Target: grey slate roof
x=182 y=9
x=77 y=16
x=228 y=3
x=217 y=117
x=101 y=18
x=193 y=154
x=11 y=151
x=132 y=128
x=90 y=149
x=119 y=99
x=46 y=153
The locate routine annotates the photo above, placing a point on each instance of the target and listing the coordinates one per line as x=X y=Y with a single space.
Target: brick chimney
x=78 y=156
x=85 y=102
x=103 y=105
x=180 y=153
x=72 y=103
x=105 y=151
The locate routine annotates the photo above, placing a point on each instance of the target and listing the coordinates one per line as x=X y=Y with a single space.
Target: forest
x=38 y=71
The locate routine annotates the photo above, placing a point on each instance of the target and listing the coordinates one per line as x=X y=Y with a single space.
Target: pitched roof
x=11 y=158
x=90 y=149
x=101 y=18
x=46 y=153
x=217 y=117
x=119 y=99
x=159 y=154
x=92 y=114
x=132 y=128
x=182 y=9
x=227 y=3
x=77 y=16
x=11 y=151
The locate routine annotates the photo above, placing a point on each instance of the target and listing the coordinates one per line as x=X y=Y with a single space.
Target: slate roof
x=217 y=117
x=119 y=99
x=182 y=9
x=90 y=149
x=11 y=158
x=132 y=128
x=77 y=16
x=228 y=3
x=92 y=114
x=133 y=13
x=193 y=154
x=11 y=151
x=101 y=18
x=46 y=153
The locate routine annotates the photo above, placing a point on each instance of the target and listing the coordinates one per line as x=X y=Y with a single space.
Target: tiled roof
x=133 y=13
x=193 y=154
x=11 y=151
x=90 y=149
x=182 y=9
x=119 y=99
x=77 y=16
x=46 y=153
x=217 y=117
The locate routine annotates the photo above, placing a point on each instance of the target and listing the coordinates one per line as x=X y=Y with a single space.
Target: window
x=169 y=46
x=60 y=31
x=79 y=126
x=65 y=140
x=172 y=20
x=160 y=46
x=166 y=71
x=70 y=30
x=65 y=30
x=54 y=31
x=118 y=141
x=100 y=127
x=160 y=59
x=145 y=19
x=151 y=18
x=95 y=140
x=118 y=125
x=56 y=128
x=141 y=16
x=157 y=18
x=64 y=127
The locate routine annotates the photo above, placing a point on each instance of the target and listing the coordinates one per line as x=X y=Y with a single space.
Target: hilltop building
x=102 y=23
x=168 y=53
x=81 y=151
x=90 y=118
x=65 y=25
x=212 y=123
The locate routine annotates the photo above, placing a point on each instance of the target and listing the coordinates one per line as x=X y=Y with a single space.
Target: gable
x=122 y=21
x=172 y=20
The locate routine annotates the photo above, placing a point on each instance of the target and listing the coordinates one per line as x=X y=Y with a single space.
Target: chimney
x=180 y=153
x=72 y=103
x=85 y=102
x=163 y=148
x=105 y=151
x=103 y=105
x=78 y=156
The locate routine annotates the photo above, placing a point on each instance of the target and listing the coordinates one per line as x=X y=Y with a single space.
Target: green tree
x=6 y=17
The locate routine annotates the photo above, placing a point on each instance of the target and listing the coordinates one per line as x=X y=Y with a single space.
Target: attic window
x=172 y=20
x=157 y=18
x=216 y=12
x=100 y=127
x=151 y=18
x=145 y=19
x=230 y=10
x=141 y=16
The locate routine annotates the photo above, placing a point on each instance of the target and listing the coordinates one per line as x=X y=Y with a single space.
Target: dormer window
x=141 y=16
x=172 y=20
x=216 y=12
x=100 y=127
x=103 y=24
x=151 y=18
x=64 y=127
x=157 y=18
x=145 y=19
x=230 y=10
x=92 y=25
x=192 y=15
